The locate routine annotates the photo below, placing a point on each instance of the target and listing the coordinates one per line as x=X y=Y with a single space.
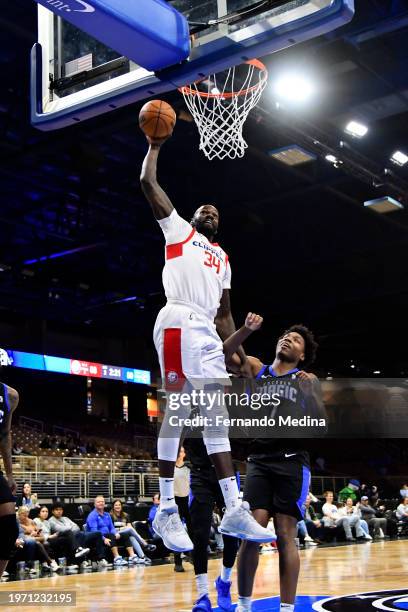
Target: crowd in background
x=358 y=514
x=109 y=538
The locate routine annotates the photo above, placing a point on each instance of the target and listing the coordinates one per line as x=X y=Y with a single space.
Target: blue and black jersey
x=4 y=410
x=292 y=403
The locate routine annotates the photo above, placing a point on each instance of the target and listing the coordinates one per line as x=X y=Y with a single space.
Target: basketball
x=157 y=119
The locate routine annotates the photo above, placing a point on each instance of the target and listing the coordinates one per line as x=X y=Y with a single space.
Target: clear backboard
x=74 y=76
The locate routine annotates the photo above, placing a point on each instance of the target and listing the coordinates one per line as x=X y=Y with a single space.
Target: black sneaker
x=179 y=568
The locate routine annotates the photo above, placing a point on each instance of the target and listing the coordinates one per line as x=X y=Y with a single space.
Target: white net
x=220 y=111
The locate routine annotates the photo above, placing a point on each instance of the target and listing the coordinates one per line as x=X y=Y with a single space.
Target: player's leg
x=223 y=583
x=182 y=505
x=291 y=485
x=201 y=515
x=248 y=559
x=8 y=530
x=237 y=521
x=289 y=562
x=169 y=335
x=259 y=487
x=8 y=521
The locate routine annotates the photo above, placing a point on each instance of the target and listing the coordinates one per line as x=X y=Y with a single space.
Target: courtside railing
x=84 y=485
x=53 y=484
x=113 y=483
x=87 y=477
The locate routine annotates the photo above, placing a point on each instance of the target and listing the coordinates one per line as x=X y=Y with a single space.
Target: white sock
x=230 y=492
x=202 y=584
x=287 y=607
x=166 y=486
x=226 y=574
x=244 y=604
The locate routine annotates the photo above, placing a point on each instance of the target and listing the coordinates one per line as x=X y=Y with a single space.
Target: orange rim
x=188 y=91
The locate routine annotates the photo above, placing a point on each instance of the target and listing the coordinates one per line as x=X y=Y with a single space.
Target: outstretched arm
x=5 y=438
x=155 y=195
x=231 y=345
x=226 y=327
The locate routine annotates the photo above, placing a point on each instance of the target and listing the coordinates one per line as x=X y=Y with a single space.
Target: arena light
x=356 y=129
x=332 y=159
x=399 y=158
x=292 y=155
x=383 y=205
x=294 y=88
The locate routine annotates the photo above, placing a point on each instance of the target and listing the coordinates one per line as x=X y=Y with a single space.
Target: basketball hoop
x=220 y=111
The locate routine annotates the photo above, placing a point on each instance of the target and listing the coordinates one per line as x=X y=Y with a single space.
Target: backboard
x=74 y=76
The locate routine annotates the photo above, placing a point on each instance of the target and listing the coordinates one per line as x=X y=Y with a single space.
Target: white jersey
x=196 y=271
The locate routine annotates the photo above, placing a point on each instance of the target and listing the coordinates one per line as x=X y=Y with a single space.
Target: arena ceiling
x=301 y=243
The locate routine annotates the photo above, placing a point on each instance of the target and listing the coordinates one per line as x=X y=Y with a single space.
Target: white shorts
x=188 y=345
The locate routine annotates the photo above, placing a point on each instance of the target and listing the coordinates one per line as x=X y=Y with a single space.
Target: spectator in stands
x=62 y=525
x=16 y=449
x=350 y=491
x=303 y=534
x=61 y=543
x=402 y=510
x=99 y=520
x=370 y=491
x=26 y=550
x=320 y=465
x=45 y=442
x=152 y=514
x=27 y=498
x=215 y=529
x=352 y=511
x=369 y=514
x=314 y=525
x=404 y=491
x=31 y=534
x=332 y=518
x=121 y=521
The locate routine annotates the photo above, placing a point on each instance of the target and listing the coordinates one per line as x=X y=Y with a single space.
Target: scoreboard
x=76 y=367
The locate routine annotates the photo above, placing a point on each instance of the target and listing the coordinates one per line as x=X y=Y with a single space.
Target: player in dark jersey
x=8 y=521
x=205 y=492
x=278 y=469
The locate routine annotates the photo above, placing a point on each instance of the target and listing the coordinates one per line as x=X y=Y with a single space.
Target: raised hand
x=306 y=382
x=253 y=321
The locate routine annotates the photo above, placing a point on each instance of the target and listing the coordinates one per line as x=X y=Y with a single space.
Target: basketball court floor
x=74 y=77
x=350 y=578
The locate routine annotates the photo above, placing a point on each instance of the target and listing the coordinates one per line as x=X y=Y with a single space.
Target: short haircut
x=309 y=340
x=57 y=505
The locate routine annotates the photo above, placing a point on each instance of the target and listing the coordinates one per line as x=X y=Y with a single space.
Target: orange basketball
x=157 y=119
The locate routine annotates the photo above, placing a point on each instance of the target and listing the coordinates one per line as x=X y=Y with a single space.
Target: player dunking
x=278 y=470
x=196 y=279
x=8 y=521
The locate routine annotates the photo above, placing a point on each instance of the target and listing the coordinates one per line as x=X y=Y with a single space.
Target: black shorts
x=6 y=495
x=205 y=488
x=277 y=485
